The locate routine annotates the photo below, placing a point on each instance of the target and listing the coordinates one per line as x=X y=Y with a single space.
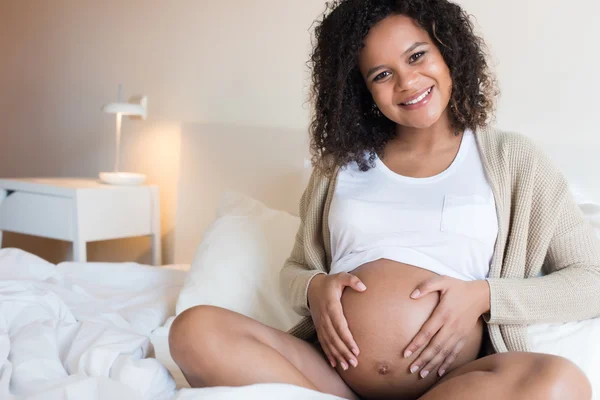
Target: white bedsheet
x=82 y=331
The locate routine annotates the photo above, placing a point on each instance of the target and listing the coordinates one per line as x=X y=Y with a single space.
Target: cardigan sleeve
x=296 y=274
x=569 y=290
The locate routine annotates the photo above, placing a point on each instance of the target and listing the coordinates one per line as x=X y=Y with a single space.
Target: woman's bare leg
x=514 y=376
x=218 y=347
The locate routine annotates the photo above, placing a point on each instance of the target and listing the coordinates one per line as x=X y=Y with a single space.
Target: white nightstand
x=80 y=211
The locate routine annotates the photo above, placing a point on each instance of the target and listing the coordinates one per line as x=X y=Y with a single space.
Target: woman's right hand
x=324 y=299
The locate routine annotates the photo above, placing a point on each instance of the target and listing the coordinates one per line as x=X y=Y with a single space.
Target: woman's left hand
x=460 y=306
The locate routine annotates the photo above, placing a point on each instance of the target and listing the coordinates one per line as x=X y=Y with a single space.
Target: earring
x=376 y=111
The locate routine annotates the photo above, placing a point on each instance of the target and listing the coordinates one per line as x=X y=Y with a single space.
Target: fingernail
x=362 y=286
x=442 y=372
x=354 y=363
x=332 y=364
x=344 y=366
x=424 y=374
x=415 y=294
x=355 y=351
x=407 y=353
x=414 y=369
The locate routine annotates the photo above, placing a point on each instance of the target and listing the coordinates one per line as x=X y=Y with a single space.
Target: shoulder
x=510 y=147
x=494 y=138
x=521 y=158
x=324 y=169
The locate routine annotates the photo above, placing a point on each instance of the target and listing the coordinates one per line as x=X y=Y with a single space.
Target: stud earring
x=376 y=111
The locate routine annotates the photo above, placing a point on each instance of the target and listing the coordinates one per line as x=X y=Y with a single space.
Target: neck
x=437 y=136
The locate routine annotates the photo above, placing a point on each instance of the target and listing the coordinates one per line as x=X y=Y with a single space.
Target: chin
x=419 y=124
x=418 y=121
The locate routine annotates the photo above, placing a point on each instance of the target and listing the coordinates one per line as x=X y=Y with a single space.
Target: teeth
x=421 y=97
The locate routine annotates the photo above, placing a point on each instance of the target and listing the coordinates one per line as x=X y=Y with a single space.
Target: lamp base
x=122 y=178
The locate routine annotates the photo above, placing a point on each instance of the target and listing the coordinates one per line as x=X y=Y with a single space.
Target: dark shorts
x=314 y=341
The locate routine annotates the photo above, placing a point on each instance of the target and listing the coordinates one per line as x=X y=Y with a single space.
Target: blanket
x=82 y=331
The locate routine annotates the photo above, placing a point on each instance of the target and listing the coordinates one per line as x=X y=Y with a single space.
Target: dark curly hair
x=343 y=125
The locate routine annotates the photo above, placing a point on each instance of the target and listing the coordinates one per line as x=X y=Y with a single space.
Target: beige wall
x=546 y=58
x=240 y=62
x=545 y=54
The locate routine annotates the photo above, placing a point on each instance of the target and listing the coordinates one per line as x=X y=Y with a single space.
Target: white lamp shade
x=132 y=110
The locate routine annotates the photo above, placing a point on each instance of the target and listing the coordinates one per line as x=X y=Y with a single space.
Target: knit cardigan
x=540 y=229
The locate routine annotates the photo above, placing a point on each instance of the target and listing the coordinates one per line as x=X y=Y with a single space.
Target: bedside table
x=80 y=211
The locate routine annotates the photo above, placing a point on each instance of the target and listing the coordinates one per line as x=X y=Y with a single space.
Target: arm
x=296 y=275
x=570 y=290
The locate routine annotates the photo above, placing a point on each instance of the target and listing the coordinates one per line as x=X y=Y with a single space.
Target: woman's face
x=405 y=72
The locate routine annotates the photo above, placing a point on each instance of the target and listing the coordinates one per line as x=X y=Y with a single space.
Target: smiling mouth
x=418 y=99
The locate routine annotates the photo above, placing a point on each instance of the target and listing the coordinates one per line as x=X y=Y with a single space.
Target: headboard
x=267 y=163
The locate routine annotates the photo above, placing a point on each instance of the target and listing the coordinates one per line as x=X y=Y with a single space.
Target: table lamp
x=131 y=110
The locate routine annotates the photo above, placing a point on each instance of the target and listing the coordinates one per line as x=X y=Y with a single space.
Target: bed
x=100 y=330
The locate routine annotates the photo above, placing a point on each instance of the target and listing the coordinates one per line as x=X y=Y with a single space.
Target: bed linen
x=84 y=330
x=80 y=330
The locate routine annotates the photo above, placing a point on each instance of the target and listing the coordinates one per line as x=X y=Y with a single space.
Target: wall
x=546 y=57
x=545 y=54
x=243 y=63
x=542 y=51
x=240 y=62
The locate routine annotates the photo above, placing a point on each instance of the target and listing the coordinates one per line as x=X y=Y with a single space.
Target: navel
x=383 y=369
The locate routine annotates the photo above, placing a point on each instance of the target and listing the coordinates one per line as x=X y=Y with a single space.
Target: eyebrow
x=411 y=48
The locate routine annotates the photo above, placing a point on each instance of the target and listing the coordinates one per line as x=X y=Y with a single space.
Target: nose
x=406 y=80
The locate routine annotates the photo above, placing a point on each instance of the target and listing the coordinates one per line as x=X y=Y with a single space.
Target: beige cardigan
x=540 y=228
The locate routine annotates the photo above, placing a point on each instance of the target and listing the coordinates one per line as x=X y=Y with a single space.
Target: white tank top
x=446 y=223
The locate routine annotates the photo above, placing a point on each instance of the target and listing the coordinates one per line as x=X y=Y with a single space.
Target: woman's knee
x=195 y=330
x=556 y=378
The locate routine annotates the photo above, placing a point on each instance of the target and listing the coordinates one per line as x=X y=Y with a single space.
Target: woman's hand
x=461 y=304
x=324 y=298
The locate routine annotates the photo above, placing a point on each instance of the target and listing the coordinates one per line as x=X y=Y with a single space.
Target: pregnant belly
x=383 y=320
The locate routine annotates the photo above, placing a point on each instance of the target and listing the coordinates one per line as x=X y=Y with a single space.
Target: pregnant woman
x=428 y=241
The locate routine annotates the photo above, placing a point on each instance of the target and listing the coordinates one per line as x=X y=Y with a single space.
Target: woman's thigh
x=205 y=326
x=513 y=375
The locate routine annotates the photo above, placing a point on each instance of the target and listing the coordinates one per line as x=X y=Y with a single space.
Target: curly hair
x=343 y=125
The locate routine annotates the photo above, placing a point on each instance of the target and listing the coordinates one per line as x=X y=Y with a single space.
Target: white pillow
x=238 y=262
x=589 y=207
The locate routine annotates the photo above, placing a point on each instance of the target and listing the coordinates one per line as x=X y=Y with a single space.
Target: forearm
x=570 y=289
x=482 y=296
x=567 y=295
x=295 y=279
x=296 y=274
x=312 y=286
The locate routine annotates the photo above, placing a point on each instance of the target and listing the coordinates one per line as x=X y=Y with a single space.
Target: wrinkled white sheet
x=82 y=331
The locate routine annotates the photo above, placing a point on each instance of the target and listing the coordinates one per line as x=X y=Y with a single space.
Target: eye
x=416 y=56
x=381 y=76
